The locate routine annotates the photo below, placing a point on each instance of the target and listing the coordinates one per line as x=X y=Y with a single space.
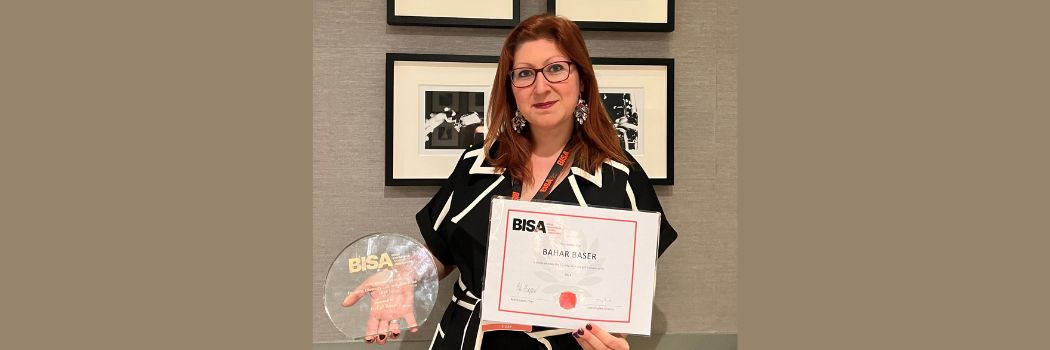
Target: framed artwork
x=617 y=15
x=638 y=95
x=436 y=107
x=454 y=13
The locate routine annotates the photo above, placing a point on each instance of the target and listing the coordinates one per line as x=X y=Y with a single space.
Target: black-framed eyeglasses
x=554 y=72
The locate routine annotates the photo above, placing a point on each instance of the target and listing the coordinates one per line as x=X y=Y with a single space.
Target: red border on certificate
x=634 y=253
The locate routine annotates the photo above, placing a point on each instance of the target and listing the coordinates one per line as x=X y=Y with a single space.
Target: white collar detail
x=619 y=166
x=596 y=178
x=477 y=168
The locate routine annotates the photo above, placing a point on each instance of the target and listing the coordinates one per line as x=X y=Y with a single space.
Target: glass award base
x=380 y=284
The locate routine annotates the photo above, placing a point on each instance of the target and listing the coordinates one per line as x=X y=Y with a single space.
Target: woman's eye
x=524 y=73
x=556 y=68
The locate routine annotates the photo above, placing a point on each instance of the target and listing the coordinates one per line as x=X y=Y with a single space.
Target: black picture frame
x=623 y=26
x=668 y=130
x=391 y=59
x=401 y=20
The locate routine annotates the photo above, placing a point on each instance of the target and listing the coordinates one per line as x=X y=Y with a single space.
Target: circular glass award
x=380 y=284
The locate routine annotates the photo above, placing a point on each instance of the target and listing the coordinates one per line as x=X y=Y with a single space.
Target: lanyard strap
x=548 y=184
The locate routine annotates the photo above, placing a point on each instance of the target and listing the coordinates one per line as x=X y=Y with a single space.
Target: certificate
x=558 y=265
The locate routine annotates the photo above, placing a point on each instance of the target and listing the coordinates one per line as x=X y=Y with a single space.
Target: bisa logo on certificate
x=530 y=225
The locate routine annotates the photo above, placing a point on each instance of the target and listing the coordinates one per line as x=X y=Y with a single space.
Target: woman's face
x=545 y=104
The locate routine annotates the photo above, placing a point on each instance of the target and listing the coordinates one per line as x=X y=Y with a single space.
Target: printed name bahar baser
x=570 y=254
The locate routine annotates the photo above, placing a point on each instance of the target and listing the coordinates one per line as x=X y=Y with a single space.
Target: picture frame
x=454 y=13
x=638 y=94
x=642 y=16
x=436 y=106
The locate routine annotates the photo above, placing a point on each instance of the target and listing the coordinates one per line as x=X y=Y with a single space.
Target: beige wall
x=697 y=283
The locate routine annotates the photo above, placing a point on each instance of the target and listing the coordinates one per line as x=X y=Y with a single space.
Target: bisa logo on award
x=371 y=262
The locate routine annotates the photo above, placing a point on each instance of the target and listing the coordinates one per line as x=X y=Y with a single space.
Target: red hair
x=595 y=140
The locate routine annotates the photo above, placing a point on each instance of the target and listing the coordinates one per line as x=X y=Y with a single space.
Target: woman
x=540 y=108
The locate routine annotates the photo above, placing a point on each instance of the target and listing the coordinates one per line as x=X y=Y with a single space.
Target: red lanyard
x=548 y=184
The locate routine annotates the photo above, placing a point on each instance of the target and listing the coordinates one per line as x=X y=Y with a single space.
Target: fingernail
x=579 y=331
x=382 y=337
x=588 y=326
x=368 y=340
x=394 y=335
x=576 y=335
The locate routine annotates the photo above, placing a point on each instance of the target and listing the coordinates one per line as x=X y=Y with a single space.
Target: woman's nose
x=542 y=85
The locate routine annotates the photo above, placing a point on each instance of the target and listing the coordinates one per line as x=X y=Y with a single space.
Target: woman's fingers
x=407 y=310
x=585 y=344
x=395 y=329
x=371 y=330
x=352 y=298
x=410 y=321
x=356 y=294
x=383 y=331
x=591 y=340
x=598 y=338
x=391 y=300
x=611 y=341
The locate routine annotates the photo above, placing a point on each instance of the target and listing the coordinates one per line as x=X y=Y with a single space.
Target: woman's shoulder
x=474 y=151
x=628 y=171
x=621 y=167
x=474 y=162
x=478 y=151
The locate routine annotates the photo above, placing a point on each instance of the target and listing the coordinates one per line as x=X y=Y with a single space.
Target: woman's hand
x=592 y=337
x=392 y=298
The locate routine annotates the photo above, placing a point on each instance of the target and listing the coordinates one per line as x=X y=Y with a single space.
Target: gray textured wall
x=697 y=283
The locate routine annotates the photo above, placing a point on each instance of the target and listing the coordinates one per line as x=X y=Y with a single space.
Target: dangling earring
x=517 y=122
x=581 y=111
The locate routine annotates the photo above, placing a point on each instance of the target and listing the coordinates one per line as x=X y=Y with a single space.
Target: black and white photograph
x=453 y=119
x=623 y=113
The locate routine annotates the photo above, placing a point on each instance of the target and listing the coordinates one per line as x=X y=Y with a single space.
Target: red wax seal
x=567 y=300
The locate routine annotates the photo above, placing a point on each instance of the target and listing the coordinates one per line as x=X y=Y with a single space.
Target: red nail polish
x=588 y=326
x=576 y=335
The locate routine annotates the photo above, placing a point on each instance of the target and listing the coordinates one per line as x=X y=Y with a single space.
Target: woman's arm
x=442 y=269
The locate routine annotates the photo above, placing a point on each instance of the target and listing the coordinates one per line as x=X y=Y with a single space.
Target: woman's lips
x=544 y=105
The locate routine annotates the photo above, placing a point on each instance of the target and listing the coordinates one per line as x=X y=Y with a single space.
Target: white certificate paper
x=558 y=265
